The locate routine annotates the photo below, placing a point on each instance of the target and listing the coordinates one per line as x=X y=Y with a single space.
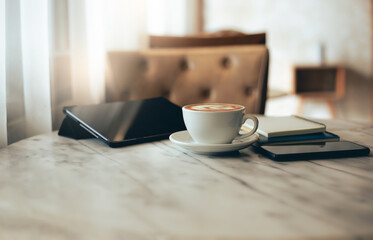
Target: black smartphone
x=314 y=151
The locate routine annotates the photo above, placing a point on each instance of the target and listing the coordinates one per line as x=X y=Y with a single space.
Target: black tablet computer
x=314 y=151
x=124 y=123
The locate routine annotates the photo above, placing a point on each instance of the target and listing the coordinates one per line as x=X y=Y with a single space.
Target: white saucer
x=184 y=140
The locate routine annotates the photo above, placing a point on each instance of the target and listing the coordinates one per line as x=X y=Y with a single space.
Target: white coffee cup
x=216 y=123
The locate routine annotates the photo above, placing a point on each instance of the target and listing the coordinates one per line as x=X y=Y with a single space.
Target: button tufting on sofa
x=248 y=90
x=205 y=93
x=184 y=64
x=235 y=74
x=226 y=62
x=143 y=64
x=166 y=93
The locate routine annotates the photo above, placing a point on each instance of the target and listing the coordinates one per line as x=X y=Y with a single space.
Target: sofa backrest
x=234 y=74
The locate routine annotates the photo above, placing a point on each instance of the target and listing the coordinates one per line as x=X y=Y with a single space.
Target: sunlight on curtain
x=171 y=17
x=52 y=54
x=125 y=24
x=96 y=50
x=35 y=63
x=83 y=31
x=160 y=14
x=77 y=22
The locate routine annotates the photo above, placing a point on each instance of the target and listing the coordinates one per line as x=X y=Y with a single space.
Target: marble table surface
x=53 y=187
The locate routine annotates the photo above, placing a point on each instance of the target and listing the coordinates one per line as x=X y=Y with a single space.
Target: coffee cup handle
x=253 y=130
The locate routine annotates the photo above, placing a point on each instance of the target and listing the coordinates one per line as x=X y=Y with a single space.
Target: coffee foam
x=214 y=107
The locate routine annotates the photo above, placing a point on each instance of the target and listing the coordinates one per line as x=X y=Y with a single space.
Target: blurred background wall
x=307 y=32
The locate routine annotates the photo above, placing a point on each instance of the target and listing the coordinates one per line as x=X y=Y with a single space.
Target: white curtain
x=3 y=115
x=25 y=85
x=52 y=54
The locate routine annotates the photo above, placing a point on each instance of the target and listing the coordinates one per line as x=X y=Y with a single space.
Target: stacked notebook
x=291 y=130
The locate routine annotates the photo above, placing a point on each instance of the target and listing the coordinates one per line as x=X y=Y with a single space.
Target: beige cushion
x=236 y=74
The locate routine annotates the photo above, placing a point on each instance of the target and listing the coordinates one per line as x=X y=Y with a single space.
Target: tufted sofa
x=234 y=74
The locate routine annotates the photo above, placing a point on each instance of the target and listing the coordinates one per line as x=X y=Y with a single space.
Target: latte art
x=214 y=107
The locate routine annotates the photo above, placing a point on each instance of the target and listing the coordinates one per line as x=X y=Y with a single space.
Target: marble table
x=53 y=187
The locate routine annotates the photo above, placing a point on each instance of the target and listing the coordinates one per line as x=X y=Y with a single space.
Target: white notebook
x=286 y=126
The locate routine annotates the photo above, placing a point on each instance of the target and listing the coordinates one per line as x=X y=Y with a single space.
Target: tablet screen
x=123 y=123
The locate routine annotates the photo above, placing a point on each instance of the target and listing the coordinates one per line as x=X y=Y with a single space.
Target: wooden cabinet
x=320 y=82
